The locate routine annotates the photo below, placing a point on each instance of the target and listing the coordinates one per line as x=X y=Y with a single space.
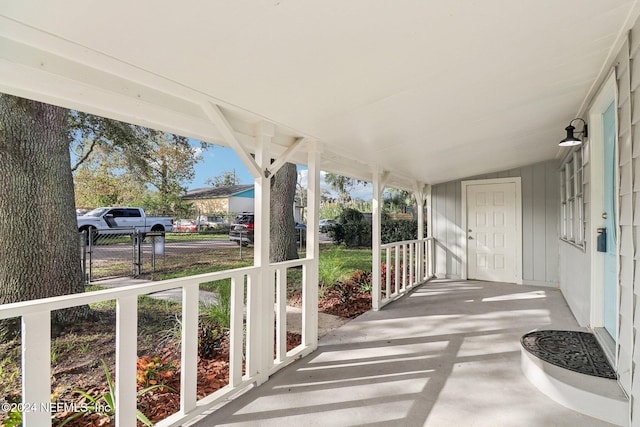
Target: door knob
x=470 y=238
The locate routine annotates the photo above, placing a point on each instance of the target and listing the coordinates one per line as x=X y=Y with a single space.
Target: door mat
x=573 y=350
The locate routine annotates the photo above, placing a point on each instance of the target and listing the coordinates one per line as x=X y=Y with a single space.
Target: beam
x=220 y=121
x=284 y=158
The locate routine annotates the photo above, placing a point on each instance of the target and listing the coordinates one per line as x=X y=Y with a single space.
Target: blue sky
x=217 y=159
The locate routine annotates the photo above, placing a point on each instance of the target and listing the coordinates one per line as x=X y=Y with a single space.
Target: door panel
x=492 y=228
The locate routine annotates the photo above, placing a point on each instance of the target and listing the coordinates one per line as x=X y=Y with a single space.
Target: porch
x=421 y=97
x=447 y=354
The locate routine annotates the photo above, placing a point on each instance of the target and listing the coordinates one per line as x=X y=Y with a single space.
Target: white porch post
x=260 y=313
x=378 y=187
x=310 y=279
x=419 y=195
x=431 y=258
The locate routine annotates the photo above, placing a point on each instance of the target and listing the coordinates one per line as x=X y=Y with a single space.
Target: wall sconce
x=571 y=140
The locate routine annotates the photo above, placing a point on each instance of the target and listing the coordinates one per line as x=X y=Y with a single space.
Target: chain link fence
x=153 y=255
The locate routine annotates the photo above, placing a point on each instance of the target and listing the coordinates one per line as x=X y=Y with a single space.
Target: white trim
x=463 y=243
x=608 y=94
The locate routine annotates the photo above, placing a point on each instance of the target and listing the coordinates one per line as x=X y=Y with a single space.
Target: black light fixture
x=571 y=140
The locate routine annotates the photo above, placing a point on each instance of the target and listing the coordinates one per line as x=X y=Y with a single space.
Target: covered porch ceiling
x=428 y=90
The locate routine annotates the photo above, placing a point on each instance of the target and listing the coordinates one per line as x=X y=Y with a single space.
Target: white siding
x=628 y=71
x=540 y=213
x=625 y=209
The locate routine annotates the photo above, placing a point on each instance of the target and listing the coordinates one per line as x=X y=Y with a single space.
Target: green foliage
x=123 y=164
x=216 y=319
x=209 y=340
x=105 y=404
x=219 y=312
x=352 y=229
x=342 y=185
x=398 y=230
x=14 y=419
x=224 y=179
x=397 y=201
x=331 y=268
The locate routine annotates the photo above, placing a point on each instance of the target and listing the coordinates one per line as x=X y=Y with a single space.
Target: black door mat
x=573 y=350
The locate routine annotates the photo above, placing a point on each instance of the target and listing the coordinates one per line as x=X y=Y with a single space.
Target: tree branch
x=94 y=142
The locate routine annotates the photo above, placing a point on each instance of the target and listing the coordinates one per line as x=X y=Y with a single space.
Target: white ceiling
x=428 y=90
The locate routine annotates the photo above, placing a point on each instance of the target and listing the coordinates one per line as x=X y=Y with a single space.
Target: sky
x=216 y=159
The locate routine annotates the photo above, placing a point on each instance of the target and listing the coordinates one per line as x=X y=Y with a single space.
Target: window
x=572 y=227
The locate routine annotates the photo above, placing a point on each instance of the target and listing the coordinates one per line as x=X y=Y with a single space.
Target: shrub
x=398 y=230
x=219 y=312
x=352 y=229
x=209 y=340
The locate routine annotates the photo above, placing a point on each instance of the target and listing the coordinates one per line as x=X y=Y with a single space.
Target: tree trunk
x=39 y=242
x=283 y=233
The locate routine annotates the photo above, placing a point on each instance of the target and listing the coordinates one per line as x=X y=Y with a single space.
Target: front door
x=610 y=279
x=492 y=231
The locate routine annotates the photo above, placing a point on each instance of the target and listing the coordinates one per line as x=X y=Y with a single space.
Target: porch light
x=571 y=140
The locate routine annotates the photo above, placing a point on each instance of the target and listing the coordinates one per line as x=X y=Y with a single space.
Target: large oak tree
x=282 y=235
x=39 y=243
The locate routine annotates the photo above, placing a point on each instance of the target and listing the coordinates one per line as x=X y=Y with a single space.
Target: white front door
x=493 y=231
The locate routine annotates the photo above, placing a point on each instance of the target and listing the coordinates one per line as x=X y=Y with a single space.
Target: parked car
x=242 y=229
x=117 y=220
x=327 y=224
x=210 y=222
x=185 y=226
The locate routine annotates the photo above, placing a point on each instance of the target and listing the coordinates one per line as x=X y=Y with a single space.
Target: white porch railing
x=406 y=264
x=257 y=349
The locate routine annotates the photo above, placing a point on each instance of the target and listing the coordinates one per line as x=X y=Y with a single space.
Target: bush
x=399 y=230
x=352 y=229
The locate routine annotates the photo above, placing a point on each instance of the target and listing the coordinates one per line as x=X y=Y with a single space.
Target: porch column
x=260 y=313
x=376 y=238
x=310 y=279
x=419 y=194
x=431 y=260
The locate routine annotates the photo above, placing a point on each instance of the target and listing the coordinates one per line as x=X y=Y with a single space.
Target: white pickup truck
x=120 y=220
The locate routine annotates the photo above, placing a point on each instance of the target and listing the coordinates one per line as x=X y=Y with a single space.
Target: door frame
x=464 y=234
x=607 y=95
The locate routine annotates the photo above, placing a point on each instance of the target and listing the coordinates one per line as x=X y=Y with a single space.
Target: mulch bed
x=213 y=373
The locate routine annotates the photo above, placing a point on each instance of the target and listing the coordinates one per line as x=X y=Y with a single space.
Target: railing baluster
x=189 y=362
x=387 y=293
x=281 y=314
x=126 y=358
x=411 y=265
x=36 y=368
x=413 y=261
x=237 y=330
x=397 y=275
x=404 y=266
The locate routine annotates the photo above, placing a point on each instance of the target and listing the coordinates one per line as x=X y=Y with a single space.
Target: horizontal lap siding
x=628 y=80
x=446 y=228
x=540 y=217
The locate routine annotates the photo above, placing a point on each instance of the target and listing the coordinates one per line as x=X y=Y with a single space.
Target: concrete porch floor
x=446 y=355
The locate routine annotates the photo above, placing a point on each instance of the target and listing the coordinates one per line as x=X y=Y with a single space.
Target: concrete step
x=596 y=397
